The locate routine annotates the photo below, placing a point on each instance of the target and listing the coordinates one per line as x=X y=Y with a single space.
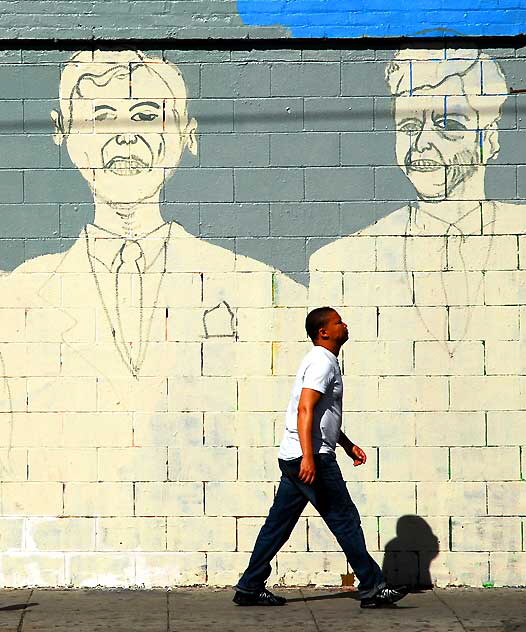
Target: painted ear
x=191 y=136
x=492 y=145
x=58 y=122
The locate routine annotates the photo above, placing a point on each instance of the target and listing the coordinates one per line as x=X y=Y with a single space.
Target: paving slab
x=307 y=610
x=206 y=610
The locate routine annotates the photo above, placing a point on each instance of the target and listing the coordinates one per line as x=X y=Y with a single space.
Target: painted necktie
x=129 y=293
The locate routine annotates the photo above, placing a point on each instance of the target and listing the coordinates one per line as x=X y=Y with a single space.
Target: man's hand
x=357 y=455
x=307 y=471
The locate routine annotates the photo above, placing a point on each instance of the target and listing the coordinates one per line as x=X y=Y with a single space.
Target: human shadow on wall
x=408 y=556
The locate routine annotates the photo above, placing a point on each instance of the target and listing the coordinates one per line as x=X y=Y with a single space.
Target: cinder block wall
x=142 y=406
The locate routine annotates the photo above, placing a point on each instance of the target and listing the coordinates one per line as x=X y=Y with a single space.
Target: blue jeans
x=331 y=499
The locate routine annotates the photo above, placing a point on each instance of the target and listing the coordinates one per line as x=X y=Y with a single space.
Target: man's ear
x=59 y=134
x=191 y=136
x=491 y=144
x=322 y=332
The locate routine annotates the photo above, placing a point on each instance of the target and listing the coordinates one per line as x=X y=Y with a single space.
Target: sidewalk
x=309 y=610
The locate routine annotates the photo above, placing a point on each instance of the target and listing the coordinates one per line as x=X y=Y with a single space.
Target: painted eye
x=450 y=125
x=410 y=126
x=144 y=116
x=106 y=116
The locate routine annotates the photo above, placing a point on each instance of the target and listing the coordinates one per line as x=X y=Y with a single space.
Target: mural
x=146 y=364
x=355 y=18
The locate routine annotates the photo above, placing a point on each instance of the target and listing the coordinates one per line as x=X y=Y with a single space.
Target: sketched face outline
x=438 y=142
x=128 y=128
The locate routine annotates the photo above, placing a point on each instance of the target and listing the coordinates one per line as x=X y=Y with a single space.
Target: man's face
x=127 y=136
x=437 y=142
x=335 y=329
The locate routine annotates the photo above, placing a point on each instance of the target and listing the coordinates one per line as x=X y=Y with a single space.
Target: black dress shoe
x=262 y=598
x=385 y=597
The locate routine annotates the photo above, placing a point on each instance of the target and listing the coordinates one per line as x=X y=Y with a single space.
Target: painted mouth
x=121 y=166
x=425 y=165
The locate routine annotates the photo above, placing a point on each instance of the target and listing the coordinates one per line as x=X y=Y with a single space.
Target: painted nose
x=422 y=140
x=126 y=139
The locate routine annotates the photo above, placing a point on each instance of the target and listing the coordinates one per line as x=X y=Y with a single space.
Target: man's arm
x=356 y=453
x=308 y=400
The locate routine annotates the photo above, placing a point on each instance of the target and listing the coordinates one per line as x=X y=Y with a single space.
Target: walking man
x=310 y=472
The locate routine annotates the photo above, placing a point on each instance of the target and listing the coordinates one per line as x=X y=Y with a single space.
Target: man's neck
x=128 y=220
x=333 y=347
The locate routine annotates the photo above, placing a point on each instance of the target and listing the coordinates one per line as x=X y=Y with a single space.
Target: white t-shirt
x=319 y=371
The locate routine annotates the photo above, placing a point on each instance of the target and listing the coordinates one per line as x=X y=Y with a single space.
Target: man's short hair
x=419 y=72
x=316 y=319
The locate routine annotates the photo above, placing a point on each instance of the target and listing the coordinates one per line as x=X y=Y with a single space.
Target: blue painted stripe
x=378 y=18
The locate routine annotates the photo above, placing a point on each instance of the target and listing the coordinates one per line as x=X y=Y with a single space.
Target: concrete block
x=485 y=534
x=441 y=358
x=505 y=288
x=202 y=464
x=504 y=357
x=203 y=185
x=408 y=322
x=506 y=428
x=361 y=393
x=410 y=254
x=379 y=358
x=379 y=498
x=492 y=392
x=272 y=185
x=170 y=569
x=485 y=464
x=168 y=499
x=351 y=254
x=506 y=568
x=12 y=186
x=238 y=499
x=268 y=115
x=21 y=569
x=11 y=117
x=235 y=80
x=304 y=219
x=507 y=498
x=165 y=429
x=29 y=81
x=413 y=464
x=212 y=115
x=235 y=150
x=391 y=184
x=62 y=464
x=413 y=393
x=60 y=534
x=31 y=499
x=83 y=430
x=320 y=569
x=338 y=114
x=306 y=149
x=344 y=184
x=310 y=79
x=451 y=498
x=28 y=152
x=248 y=529
x=67 y=394
x=258 y=464
x=364 y=148
x=429 y=534
x=276 y=392
x=131 y=534
x=363 y=78
x=460 y=569
x=450 y=429
x=30 y=220
x=132 y=464
x=286 y=254
x=50 y=186
x=238 y=429
x=505 y=182
x=449 y=288
x=11 y=533
x=225 y=569
x=484 y=323
x=202 y=394
x=201 y=534
x=377 y=289
x=286 y=357
x=379 y=429
x=88 y=570
x=98 y=499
